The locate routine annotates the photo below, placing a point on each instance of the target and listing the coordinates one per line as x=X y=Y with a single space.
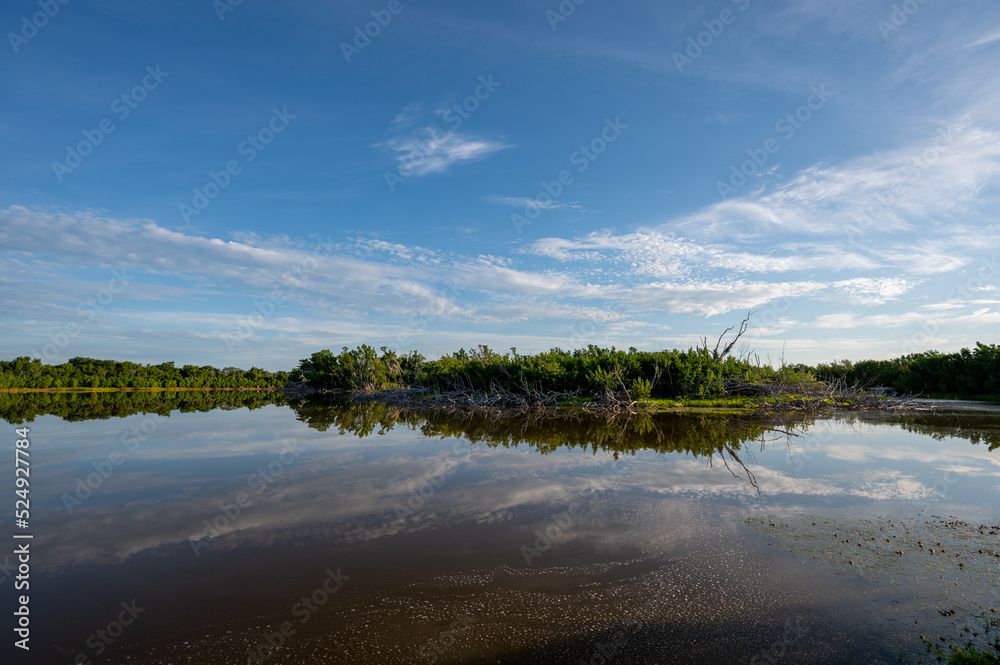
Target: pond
x=236 y=528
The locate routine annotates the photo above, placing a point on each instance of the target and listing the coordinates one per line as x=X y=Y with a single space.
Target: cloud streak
x=428 y=150
x=922 y=186
x=527 y=202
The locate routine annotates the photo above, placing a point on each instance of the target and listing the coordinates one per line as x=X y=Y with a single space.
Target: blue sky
x=245 y=184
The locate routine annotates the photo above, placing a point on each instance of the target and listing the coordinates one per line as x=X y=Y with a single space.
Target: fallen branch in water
x=785 y=394
x=528 y=400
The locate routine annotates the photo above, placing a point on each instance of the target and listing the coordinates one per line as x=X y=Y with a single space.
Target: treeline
x=696 y=372
x=695 y=433
x=25 y=373
x=968 y=372
x=592 y=371
x=19 y=408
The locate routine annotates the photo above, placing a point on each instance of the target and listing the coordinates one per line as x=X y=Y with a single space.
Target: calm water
x=320 y=534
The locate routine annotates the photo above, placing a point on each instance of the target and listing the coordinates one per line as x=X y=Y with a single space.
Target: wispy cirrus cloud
x=422 y=147
x=659 y=254
x=921 y=185
x=527 y=202
x=252 y=265
x=426 y=150
x=985 y=40
x=844 y=320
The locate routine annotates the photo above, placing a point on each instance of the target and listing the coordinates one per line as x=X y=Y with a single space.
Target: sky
x=243 y=183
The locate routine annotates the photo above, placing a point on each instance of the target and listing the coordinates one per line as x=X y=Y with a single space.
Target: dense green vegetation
x=659 y=374
x=594 y=370
x=18 y=408
x=967 y=372
x=360 y=369
x=695 y=433
x=30 y=373
x=698 y=432
x=980 y=428
x=695 y=373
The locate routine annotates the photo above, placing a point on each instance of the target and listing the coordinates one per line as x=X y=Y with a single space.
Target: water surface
x=245 y=531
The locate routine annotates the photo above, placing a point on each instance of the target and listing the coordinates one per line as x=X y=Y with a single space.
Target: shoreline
x=477 y=400
x=618 y=403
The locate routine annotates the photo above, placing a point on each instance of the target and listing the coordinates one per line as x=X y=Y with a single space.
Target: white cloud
x=869 y=291
x=712 y=298
x=534 y=309
x=843 y=320
x=985 y=40
x=526 y=202
x=661 y=254
x=324 y=279
x=923 y=185
x=631 y=286
x=428 y=150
